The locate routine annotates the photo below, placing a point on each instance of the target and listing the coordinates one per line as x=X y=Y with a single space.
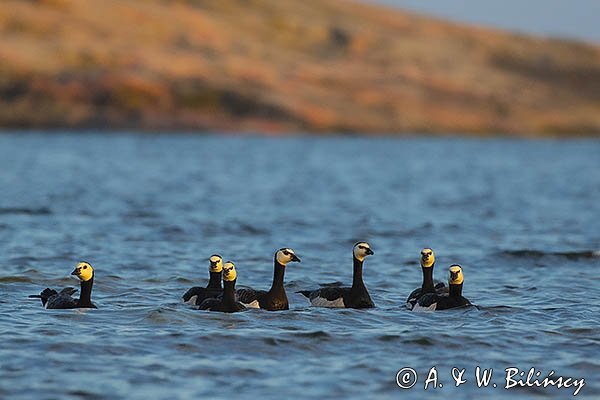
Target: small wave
x=570 y=255
x=533 y=390
x=188 y=347
x=172 y=230
x=181 y=279
x=247 y=229
x=140 y=214
x=84 y=394
x=25 y=211
x=313 y=334
x=158 y=314
x=389 y=338
x=332 y=284
x=580 y=331
x=494 y=311
x=512 y=288
x=15 y=279
x=586 y=365
x=422 y=341
x=499 y=308
x=276 y=341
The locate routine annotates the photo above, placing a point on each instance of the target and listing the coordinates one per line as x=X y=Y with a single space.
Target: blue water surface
x=520 y=216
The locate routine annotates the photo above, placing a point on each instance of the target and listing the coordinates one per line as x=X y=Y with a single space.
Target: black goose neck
x=85 y=299
x=278 y=275
x=214 y=281
x=456 y=290
x=357 y=274
x=229 y=292
x=427 y=286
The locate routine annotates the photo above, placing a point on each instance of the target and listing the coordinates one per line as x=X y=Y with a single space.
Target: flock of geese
x=221 y=295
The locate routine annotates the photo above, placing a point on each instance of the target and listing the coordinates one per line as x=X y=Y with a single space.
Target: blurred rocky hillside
x=284 y=66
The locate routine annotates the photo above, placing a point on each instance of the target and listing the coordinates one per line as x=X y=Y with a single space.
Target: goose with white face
x=83 y=271
x=275 y=299
x=229 y=272
x=454 y=297
x=361 y=250
x=216 y=263
x=356 y=296
x=197 y=294
x=227 y=302
x=52 y=299
x=286 y=255
x=427 y=261
x=455 y=275
x=427 y=258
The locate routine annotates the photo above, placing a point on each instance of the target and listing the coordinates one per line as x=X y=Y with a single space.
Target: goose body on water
x=356 y=296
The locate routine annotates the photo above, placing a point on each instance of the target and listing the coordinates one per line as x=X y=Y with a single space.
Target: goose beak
x=370 y=252
x=75 y=272
x=295 y=258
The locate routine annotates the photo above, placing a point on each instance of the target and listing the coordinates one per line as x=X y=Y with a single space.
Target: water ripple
x=151 y=209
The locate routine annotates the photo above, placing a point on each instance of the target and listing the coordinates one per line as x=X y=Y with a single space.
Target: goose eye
x=287 y=253
x=85 y=267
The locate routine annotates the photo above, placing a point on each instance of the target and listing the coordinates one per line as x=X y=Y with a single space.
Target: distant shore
x=291 y=134
x=319 y=66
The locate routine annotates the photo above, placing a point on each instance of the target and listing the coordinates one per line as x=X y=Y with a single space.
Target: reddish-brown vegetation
x=281 y=66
